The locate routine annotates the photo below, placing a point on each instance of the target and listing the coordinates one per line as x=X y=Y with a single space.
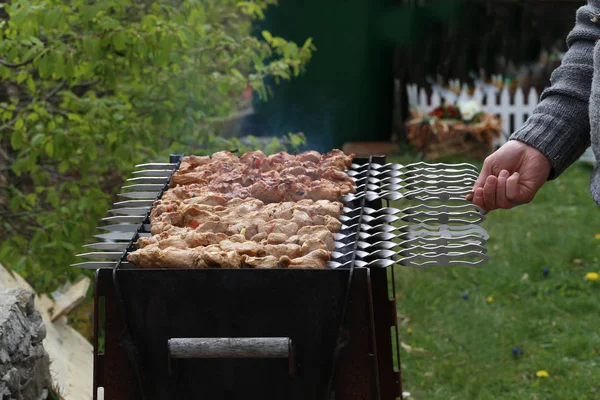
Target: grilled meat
x=315 y=259
x=233 y=252
x=279 y=177
x=249 y=212
x=249 y=216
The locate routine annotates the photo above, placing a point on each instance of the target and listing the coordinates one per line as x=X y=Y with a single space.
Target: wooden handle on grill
x=278 y=347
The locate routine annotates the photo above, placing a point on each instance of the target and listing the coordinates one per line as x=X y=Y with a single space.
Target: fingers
x=501 y=200
x=489 y=192
x=483 y=175
x=512 y=187
x=478 y=198
x=498 y=192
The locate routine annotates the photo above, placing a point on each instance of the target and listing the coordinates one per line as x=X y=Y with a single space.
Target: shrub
x=89 y=89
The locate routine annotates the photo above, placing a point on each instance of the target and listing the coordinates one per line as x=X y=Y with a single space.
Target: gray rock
x=12 y=380
x=24 y=364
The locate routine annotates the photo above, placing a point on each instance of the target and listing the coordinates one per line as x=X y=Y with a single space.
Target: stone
x=24 y=364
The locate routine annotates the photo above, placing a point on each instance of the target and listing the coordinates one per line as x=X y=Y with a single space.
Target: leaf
x=16 y=139
x=237 y=73
x=59 y=66
x=52 y=197
x=19 y=124
x=63 y=167
x=31 y=198
x=88 y=45
x=69 y=68
x=112 y=137
x=37 y=139
x=31 y=84
x=119 y=40
x=51 y=18
x=267 y=35
x=19 y=17
x=22 y=76
x=15 y=204
x=49 y=148
x=45 y=66
x=92 y=152
x=74 y=117
x=92 y=47
x=36 y=41
x=167 y=42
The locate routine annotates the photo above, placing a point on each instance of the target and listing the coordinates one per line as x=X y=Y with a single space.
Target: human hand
x=511 y=176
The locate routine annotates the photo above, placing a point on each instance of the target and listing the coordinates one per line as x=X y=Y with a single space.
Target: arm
x=555 y=135
x=559 y=127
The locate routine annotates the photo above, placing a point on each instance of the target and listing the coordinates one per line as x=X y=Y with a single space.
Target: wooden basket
x=436 y=138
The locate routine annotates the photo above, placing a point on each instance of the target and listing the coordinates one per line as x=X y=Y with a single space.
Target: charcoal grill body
x=304 y=305
x=139 y=310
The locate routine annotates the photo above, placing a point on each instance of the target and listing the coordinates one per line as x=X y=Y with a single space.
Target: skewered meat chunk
x=259 y=237
x=261 y=262
x=286 y=227
x=315 y=259
x=312 y=245
x=189 y=239
x=276 y=238
x=321 y=233
x=312 y=156
x=154 y=257
x=280 y=250
x=222 y=259
x=248 y=248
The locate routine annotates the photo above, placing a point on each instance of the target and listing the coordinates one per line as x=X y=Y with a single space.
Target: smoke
x=279 y=116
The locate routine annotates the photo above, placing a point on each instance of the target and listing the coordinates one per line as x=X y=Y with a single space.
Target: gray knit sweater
x=568 y=114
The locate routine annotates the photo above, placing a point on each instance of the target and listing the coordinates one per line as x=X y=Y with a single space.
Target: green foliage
x=89 y=89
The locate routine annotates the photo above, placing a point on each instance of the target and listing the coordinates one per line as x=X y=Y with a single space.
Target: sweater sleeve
x=559 y=126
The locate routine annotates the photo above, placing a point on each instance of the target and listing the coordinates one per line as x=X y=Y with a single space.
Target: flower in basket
x=437 y=112
x=469 y=110
x=445 y=112
x=453 y=112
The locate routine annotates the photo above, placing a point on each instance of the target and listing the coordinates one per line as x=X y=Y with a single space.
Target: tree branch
x=16 y=65
x=5 y=156
x=57 y=111
x=55 y=90
x=86 y=84
x=9 y=124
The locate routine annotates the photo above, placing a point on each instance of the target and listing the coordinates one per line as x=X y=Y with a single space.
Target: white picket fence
x=514 y=110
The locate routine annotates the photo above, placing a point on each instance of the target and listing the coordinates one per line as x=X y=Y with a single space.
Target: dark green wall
x=346 y=92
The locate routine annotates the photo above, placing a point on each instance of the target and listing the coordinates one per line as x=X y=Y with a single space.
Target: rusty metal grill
x=340 y=322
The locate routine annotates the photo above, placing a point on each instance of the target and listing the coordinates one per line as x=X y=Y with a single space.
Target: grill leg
x=112 y=369
x=385 y=318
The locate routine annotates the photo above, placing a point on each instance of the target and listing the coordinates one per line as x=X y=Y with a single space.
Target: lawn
x=463 y=348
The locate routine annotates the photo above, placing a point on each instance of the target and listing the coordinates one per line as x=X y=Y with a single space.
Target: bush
x=92 y=88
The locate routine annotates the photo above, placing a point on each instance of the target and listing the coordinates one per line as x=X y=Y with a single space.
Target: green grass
x=555 y=321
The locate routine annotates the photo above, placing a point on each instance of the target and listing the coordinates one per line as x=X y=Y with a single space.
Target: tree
x=91 y=88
